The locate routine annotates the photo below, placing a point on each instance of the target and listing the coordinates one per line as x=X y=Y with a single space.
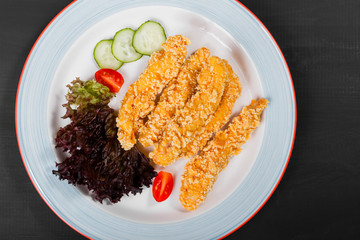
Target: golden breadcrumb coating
x=174 y=97
x=187 y=121
x=201 y=171
x=219 y=118
x=139 y=100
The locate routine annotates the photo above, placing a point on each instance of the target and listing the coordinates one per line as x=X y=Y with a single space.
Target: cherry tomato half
x=162 y=186
x=110 y=78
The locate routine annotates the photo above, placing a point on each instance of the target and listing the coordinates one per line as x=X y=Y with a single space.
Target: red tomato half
x=110 y=78
x=162 y=186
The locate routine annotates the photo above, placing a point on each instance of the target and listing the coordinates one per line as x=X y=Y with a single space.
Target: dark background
x=319 y=195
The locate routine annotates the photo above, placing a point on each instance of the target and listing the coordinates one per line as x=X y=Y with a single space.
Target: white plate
x=230 y=31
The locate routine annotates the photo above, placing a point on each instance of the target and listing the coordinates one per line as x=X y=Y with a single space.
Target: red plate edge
x=282 y=174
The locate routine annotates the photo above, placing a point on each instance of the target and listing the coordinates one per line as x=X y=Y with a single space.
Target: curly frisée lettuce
x=96 y=158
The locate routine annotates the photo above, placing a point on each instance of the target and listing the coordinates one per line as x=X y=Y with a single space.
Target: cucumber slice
x=149 y=37
x=122 y=48
x=104 y=57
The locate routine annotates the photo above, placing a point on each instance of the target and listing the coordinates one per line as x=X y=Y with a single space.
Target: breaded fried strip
x=201 y=171
x=153 y=59
x=187 y=121
x=139 y=101
x=220 y=117
x=174 y=97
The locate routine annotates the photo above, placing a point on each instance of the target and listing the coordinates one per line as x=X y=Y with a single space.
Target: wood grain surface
x=319 y=195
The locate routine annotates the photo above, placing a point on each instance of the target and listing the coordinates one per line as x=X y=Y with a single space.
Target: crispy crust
x=174 y=97
x=201 y=171
x=139 y=101
x=219 y=118
x=193 y=116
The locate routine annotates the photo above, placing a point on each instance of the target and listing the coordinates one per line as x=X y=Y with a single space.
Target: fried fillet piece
x=174 y=97
x=220 y=117
x=139 y=100
x=201 y=171
x=187 y=121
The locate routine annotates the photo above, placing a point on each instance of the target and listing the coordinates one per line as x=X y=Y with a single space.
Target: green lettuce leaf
x=81 y=94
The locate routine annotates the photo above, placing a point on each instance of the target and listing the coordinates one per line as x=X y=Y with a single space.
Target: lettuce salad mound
x=96 y=158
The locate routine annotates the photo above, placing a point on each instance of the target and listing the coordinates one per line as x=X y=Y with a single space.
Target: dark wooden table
x=319 y=195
